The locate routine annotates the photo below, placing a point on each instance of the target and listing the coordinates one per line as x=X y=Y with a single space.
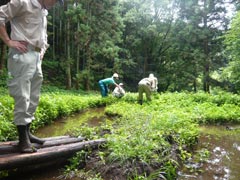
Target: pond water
x=223 y=146
x=224 y=155
x=93 y=117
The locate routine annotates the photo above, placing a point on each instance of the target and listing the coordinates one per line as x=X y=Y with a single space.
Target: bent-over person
x=103 y=84
x=145 y=86
x=119 y=91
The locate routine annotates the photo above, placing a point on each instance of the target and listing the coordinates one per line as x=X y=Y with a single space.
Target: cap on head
x=151 y=75
x=61 y=2
x=120 y=84
x=115 y=75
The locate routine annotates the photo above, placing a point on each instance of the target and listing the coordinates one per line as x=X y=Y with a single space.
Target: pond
x=93 y=117
x=224 y=151
x=223 y=146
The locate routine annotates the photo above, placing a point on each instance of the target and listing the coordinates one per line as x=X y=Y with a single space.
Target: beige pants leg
x=25 y=80
x=142 y=88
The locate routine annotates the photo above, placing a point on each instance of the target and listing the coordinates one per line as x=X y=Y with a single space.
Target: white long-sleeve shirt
x=118 y=92
x=150 y=82
x=28 y=21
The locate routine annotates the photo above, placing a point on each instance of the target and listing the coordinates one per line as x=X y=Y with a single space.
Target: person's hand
x=41 y=55
x=21 y=46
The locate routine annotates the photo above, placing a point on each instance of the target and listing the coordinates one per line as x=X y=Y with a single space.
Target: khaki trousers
x=143 y=88
x=24 y=82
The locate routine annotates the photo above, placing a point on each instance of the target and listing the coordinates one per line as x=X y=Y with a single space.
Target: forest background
x=188 y=45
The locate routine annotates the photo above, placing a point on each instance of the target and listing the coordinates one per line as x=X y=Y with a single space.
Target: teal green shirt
x=108 y=81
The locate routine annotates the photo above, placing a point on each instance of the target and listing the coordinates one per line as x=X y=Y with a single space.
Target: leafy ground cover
x=54 y=104
x=152 y=140
x=146 y=141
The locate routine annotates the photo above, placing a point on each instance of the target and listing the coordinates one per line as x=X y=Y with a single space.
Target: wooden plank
x=10 y=161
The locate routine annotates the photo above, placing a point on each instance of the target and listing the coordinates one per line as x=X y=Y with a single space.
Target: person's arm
x=8 y=12
x=117 y=85
x=113 y=82
x=4 y=36
x=156 y=82
x=122 y=91
x=19 y=45
x=46 y=45
x=151 y=85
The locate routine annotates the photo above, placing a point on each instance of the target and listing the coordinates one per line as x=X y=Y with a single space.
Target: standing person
x=103 y=84
x=119 y=91
x=27 y=45
x=155 y=83
x=145 y=86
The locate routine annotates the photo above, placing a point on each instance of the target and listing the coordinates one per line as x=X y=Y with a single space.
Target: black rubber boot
x=33 y=138
x=24 y=141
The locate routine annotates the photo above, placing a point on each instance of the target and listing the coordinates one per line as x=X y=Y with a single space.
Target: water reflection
x=61 y=127
x=93 y=117
x=235 y=145
x=224 y=160
x=223 y=145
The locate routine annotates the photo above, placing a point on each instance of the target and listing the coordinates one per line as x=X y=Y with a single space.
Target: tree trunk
x=2 y=55
x=195 y=85
x=206 y=78
x=206 y=52
x=54 y=34
x=68 y=65
x=77 y=60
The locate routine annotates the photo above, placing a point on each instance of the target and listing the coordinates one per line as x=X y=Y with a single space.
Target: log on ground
x=10 y=161
x=12 y=146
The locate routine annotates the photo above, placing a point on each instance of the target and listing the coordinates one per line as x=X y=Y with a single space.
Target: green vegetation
x=188 y=45
x=54 y=103
x=149 y=140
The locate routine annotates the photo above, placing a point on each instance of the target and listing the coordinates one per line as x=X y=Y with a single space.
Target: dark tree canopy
x=180 y=42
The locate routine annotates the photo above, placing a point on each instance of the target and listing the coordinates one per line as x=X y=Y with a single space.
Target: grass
x=148 y=140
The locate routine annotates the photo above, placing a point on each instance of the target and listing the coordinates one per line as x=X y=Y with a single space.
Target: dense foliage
x=157 y=134
x=180 y=41
x=53 y=105
x=232 y=42
x=189 y=45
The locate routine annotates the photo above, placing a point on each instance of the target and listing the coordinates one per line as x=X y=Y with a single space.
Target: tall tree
x=176 y=40
x=140 y=38
x=207 y=20
x=232 y=42
x=96 y=29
